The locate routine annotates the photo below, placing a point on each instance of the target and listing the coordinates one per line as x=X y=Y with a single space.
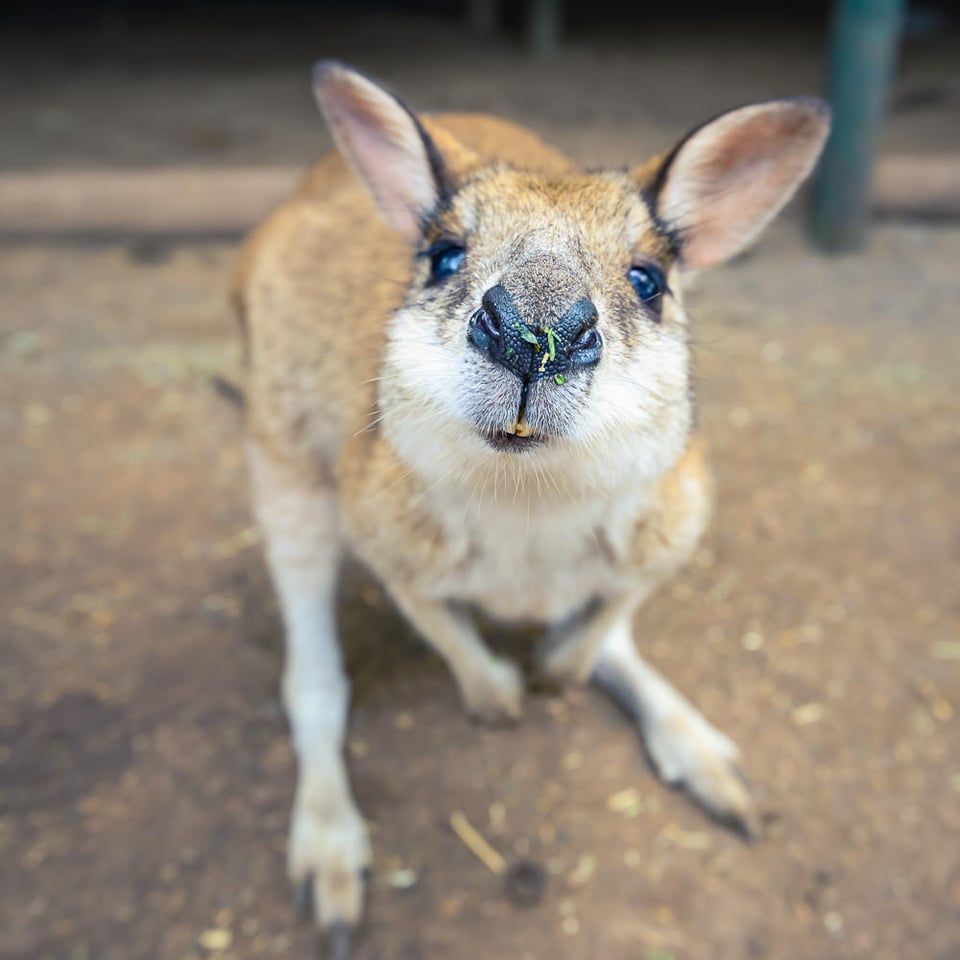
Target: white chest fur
x=527 y=560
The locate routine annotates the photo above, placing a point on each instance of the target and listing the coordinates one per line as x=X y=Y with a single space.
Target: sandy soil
x=145 y=773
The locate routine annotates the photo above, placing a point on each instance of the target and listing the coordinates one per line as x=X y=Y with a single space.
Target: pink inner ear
x=401 y=183
x=732 y=176
x=383 y=144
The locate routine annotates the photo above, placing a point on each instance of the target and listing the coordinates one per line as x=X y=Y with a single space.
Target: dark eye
x=445 y=260
x=649 y=283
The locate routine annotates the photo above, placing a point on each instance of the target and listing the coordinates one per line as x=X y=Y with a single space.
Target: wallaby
x=469 y=365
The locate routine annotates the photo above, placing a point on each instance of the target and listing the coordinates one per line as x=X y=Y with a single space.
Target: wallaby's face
x=543 y=324
x=542 y=312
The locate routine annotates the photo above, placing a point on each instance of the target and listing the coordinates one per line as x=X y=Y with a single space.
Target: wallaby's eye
x=445 y=260
x=650 y=284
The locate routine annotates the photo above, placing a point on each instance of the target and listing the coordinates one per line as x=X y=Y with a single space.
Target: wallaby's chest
x=531 y=563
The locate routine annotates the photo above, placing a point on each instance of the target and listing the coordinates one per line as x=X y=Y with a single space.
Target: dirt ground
x=145 y=771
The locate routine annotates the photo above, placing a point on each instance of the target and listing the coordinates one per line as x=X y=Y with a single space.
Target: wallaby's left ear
x=721 y=185
x=405 y=170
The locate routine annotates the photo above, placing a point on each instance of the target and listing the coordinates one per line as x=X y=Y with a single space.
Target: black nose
x=499 y=331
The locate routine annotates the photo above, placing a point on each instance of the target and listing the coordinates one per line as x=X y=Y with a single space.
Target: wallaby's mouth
x=505 y=440
x=520 y=436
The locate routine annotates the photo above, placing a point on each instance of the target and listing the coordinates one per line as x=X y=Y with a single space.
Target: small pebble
x=402 y=879
x=357 y=747
x=623 y=800
x=675 y=835
x=942 y=710
x=215 y=939
x=583 y=871
x=807 y=714
x=833 y=923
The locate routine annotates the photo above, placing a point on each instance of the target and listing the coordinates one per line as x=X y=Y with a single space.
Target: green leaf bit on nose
x=558 y=380
x=529 y=336
x=509 y=352
x=551 y=342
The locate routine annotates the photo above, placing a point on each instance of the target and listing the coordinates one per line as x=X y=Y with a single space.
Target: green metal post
x=863 y=49
x=544 y=27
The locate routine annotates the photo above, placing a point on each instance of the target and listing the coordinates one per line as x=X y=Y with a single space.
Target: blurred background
x=145 y=773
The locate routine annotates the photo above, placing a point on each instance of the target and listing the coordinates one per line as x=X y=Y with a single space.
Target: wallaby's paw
x=495 y=696
x=327 y=855
x=688 y=752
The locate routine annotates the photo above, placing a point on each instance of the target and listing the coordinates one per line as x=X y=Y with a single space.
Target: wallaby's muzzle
x=551 y=350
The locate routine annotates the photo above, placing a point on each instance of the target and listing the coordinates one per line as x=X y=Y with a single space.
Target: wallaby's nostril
x=588 y=339
x=496 y=329
x=489 y=324
x=586 y=345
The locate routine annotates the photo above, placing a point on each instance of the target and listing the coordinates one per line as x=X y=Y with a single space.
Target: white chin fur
x=448 y=452
x=619 y=434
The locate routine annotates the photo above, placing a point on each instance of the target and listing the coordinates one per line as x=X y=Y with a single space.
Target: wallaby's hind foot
x=684 y=748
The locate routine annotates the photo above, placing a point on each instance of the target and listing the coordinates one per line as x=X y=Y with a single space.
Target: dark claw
x=750 y=831
x=303 y=899
x=338 y=942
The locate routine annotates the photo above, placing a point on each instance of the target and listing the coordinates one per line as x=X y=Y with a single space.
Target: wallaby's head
x=543 y=324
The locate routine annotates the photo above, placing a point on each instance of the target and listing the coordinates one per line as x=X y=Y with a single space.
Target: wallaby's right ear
x=725 y=181
x=386 y=145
